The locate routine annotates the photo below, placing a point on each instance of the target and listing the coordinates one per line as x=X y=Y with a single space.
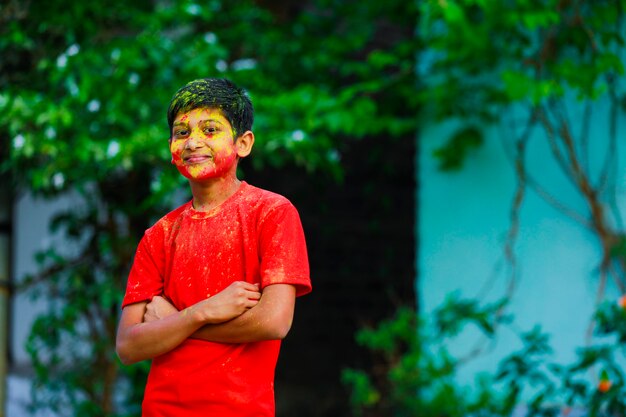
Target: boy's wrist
x=199 y=316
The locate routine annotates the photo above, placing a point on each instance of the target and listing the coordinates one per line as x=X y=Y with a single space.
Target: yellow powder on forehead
x=210 y=112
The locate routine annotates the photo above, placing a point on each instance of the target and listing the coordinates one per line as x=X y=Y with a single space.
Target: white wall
x=31 y=219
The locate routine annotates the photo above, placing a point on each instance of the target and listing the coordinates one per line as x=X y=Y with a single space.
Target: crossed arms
x=241 y=313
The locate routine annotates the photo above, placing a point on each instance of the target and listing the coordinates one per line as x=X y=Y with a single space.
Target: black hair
x=214 y=93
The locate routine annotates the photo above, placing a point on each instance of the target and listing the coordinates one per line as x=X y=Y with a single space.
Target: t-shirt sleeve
x=283 y=253
x=145 y=279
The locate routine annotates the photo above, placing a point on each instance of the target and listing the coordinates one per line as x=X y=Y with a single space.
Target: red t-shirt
x=254 y=236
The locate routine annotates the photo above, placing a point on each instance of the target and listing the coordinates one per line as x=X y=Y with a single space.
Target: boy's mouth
x=197 y=158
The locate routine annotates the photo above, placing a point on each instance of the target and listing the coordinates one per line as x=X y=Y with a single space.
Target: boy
x=213 y=285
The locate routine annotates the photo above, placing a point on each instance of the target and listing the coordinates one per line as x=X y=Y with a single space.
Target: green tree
x=83 y=91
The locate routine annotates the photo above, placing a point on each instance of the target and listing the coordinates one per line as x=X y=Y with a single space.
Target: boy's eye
x=209 y=130
x=180 y=133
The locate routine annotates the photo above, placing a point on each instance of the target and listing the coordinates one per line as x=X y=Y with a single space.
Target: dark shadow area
x=360 y=237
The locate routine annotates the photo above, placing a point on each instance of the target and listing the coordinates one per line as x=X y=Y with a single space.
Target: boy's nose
x=193 y=142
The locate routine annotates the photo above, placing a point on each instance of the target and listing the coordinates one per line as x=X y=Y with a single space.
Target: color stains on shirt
x=254 y=236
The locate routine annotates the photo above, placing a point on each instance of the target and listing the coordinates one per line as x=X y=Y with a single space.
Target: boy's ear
x=244 y=144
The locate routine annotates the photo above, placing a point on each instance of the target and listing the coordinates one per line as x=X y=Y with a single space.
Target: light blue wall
x=463 y=221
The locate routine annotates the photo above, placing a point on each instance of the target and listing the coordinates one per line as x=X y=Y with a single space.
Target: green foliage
x=485 y=56
x=454 y=314
x=84 y=87
x=88 y=94
x=483 y=60
x=611 y=320
x=530 y=63
x=414 y=374
x=71 y=344
x=454 y=152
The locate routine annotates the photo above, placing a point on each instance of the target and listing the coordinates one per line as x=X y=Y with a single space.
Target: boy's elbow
x=281 y=328
x=124 y=359
x=124 y=353
x=282 y=333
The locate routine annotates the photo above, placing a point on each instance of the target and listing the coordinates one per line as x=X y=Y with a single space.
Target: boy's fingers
x=249 y=286
x=254 y=295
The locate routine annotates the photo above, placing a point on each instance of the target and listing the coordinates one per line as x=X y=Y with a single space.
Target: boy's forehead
x=211 y=112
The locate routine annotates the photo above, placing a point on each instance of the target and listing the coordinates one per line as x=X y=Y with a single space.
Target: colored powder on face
x=220 y=94
x=217 y=148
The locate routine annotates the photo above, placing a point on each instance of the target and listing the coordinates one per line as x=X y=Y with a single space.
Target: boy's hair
x=214 y=93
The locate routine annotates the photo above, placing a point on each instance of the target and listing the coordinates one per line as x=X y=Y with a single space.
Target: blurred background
x=458 y=167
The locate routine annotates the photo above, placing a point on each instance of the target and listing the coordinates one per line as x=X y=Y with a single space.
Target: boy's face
x=202 y=144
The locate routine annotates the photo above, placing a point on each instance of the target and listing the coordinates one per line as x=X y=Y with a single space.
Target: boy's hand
x=233 y=301
x=158 y=308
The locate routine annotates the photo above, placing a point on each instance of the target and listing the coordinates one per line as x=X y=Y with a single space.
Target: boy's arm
x=138 y=339
x=270 y=319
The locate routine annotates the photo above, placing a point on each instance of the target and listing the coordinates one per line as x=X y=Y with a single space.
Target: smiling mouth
x=197 y=159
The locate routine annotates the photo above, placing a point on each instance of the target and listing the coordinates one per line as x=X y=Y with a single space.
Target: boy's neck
x=210 y=194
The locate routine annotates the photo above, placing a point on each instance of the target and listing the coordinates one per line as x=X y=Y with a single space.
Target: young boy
x=213 y=285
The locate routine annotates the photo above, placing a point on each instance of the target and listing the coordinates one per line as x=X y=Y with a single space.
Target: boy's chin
x=207 y=176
